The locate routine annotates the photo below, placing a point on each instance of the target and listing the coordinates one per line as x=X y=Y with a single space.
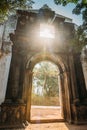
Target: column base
x=79 y=114
x=12 y=115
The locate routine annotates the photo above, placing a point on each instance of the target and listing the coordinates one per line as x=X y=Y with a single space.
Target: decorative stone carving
x=12 y=114
x=79 y=114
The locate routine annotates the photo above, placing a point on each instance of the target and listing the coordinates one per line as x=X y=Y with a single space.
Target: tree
x=46 y=76
x=8 y=6
x=80 y=39
x=81 y=34
x=81 y=6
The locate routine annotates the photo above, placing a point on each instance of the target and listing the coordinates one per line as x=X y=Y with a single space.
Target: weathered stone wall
x=84 y=63
x=1 y=34
x=5 y=60
x=10 y=26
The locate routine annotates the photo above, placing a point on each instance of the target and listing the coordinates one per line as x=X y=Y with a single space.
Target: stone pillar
x=21 y=79
x=73 y=80
x=68 y=95
x=61 y=93
x=80 y=78
x=28 y=93
x=13 y=81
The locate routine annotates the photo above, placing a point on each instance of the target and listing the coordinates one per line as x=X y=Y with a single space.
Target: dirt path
x=53 y=126
x=56 y=126
x=45 y=112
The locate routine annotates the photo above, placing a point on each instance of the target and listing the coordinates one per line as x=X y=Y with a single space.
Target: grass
x=45 y=100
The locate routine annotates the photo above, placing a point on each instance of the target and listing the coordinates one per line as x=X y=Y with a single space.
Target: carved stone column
x=28 y=93
x=21 y=79
x=73 y=80
x=80 y=78
x=62 y=94
x=68 y=95
x=13 y=81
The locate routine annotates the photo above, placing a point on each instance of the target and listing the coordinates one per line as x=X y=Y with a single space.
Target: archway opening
x=46 y=100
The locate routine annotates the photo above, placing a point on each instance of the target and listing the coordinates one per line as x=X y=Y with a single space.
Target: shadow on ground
x=52 y=126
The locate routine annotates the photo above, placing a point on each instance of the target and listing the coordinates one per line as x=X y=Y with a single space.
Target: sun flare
x=47 y=31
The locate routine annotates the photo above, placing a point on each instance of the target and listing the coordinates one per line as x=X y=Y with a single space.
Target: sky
x=65 y=11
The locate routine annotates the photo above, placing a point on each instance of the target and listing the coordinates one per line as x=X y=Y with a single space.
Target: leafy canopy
x=81 y=34
x=46 y=77
x=80 y=8
x=8 y=6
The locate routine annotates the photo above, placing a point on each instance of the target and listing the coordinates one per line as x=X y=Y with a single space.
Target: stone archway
x=28 y=50
x=64 y=82
x=45 y=96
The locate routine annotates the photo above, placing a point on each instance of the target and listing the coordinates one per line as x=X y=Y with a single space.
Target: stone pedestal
x=79 y=114
x=12 y=115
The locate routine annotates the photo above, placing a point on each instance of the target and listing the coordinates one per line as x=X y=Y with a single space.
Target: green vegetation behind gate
x=45 y=101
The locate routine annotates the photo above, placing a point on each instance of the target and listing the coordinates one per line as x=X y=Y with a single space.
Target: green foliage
x=65 y=2
x=80 y=39
x=81 y=34
x=8 y=6
x=81 y=7
x=45 y=100
x=46 y=76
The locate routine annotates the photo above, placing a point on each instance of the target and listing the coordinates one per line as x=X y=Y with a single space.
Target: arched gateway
x=64 y=82
x=28 y=49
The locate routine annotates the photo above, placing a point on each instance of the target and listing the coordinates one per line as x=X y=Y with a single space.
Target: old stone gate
x=27 y=49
